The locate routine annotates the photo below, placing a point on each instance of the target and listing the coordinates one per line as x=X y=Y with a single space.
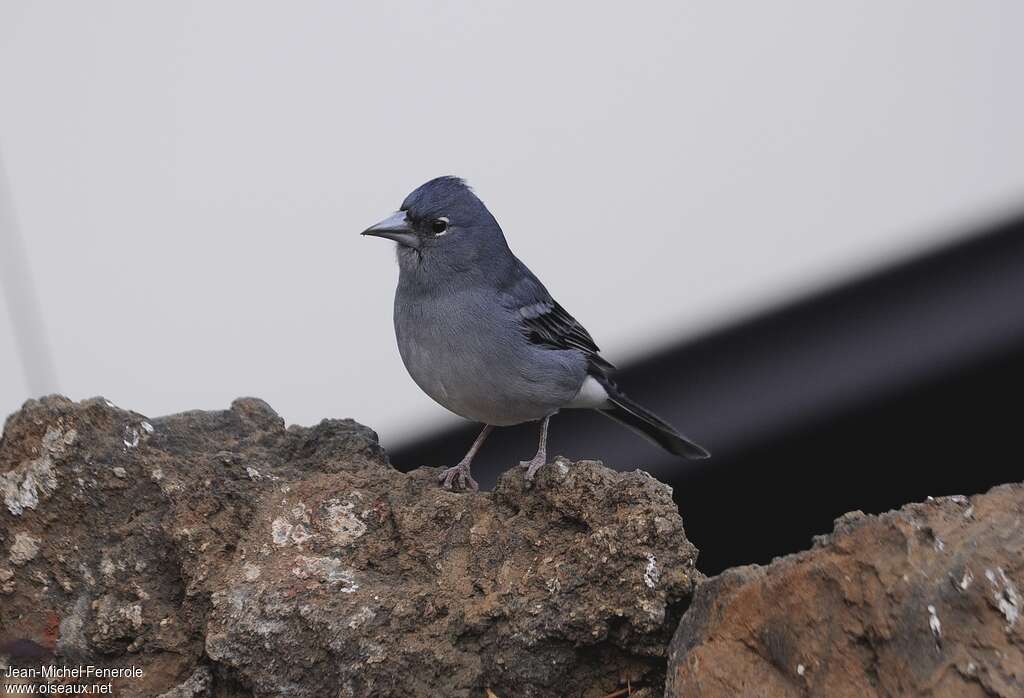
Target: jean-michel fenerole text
x=71 y=672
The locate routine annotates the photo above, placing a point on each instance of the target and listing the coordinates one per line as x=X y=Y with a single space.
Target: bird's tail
x=648 y=425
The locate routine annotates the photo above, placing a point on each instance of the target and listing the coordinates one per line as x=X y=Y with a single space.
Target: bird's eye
x=439 y=226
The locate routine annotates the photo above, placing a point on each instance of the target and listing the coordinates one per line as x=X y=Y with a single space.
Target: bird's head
x=442 y=223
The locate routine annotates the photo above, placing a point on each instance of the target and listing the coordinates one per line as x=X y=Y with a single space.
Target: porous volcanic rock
x=225 y=554
x=923 y=601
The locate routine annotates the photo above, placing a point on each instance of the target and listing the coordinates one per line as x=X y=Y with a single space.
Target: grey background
x=189 y=179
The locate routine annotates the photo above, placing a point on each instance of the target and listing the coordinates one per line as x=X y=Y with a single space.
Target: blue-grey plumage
x=471 y=356
x=480 y=334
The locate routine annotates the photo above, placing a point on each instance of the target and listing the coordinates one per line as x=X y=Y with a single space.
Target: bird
x=482 y=336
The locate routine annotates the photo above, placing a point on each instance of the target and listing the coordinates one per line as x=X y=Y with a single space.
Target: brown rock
x=924 y=601
x=225 y=554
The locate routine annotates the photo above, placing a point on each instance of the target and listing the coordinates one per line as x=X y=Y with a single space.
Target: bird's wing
x=547 y=323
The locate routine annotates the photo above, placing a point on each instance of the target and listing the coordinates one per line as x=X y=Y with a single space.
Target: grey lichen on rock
x=226 y=554
x=34 y=479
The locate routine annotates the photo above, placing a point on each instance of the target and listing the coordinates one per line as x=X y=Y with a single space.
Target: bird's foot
x=460 y=471
x=533 y=465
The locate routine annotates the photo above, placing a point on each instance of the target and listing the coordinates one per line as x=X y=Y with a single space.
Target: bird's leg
x=461 y=470
x=534 y=464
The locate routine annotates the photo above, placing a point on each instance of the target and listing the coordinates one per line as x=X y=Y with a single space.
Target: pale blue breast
x=470 y=356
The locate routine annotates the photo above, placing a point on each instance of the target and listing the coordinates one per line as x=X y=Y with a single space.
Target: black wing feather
x=547 y=323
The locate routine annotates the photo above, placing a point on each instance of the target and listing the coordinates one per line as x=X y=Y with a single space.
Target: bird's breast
x=473 y=359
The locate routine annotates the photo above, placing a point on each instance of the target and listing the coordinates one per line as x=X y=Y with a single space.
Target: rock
x=24 y=548
x=225 y=554
x=34 y=479
x=6 y=581
x=923 y=601
x=198 y=685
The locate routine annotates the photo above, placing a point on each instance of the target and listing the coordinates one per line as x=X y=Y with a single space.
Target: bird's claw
x=460 y=471
x=532 y=466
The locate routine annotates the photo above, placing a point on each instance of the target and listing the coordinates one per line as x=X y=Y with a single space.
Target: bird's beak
x=396 y=228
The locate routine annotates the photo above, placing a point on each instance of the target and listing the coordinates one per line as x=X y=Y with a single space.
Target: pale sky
x=190 y=178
